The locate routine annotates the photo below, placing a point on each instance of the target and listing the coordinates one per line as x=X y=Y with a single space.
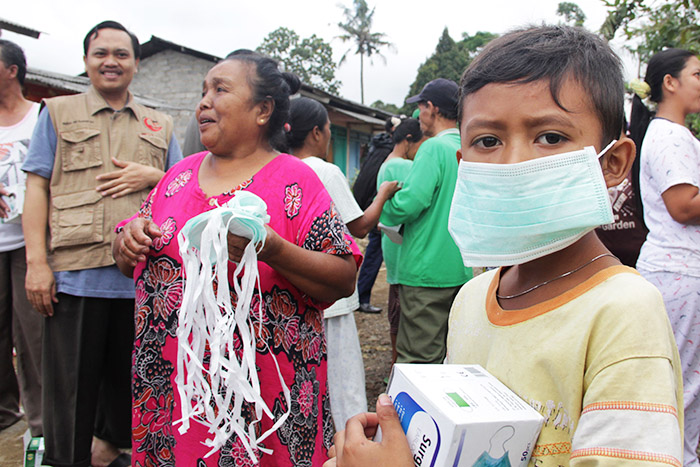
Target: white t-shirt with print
x=14 y=142
x=337 y=186
x=670 y=156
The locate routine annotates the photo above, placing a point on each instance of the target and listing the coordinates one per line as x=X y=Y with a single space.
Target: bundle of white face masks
x=213 y=394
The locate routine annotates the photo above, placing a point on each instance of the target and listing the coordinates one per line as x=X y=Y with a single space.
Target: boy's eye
x=551 y=138
x=486 y=142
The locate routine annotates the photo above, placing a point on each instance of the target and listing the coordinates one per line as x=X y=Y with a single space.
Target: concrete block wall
x=175 y=78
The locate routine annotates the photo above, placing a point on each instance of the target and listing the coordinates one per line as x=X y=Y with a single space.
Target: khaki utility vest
x=89 y=133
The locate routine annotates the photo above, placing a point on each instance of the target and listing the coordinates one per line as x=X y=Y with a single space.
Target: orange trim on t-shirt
x=501 y=317
x=627 y=455
x=630 y=405
x=552 y=449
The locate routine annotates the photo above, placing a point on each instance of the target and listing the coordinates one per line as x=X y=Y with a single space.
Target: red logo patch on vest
x=153 y=126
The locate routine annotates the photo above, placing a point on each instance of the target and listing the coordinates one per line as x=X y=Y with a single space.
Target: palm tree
x=358 y=28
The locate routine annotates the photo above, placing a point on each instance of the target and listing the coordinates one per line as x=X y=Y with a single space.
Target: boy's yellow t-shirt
x=599 y=362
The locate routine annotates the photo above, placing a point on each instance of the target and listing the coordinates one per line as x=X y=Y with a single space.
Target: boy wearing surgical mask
x=561 y=322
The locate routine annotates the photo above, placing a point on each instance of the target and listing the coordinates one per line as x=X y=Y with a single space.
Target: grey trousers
x=422 y=336
x=21 y=328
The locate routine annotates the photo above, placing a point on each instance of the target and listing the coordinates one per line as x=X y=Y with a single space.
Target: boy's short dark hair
x=554 y=53
x=12 y=54
x=111 y=25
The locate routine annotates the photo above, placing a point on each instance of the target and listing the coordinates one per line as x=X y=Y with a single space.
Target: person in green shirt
x=430 y=266
x=407 y=138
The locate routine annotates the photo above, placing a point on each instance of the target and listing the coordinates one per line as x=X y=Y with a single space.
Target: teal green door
x=339 y=147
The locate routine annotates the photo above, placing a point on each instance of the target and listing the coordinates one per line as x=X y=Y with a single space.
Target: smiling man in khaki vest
x=93 y=159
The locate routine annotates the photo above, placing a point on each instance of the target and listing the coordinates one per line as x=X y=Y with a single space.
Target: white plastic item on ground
x=462 y=416
x=208 y=323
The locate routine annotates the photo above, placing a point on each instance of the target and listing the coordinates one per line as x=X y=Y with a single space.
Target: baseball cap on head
x=441 y=92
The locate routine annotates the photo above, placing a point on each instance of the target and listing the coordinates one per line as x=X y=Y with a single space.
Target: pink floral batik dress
x=301 y=211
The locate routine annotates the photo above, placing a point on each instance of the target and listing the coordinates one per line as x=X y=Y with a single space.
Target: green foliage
x=653 y=25
x=357 y=28
x=621 y=13
x=385 y=106
x=692 y=121
x=449 y=60
x=572 y=13
x=310 y=58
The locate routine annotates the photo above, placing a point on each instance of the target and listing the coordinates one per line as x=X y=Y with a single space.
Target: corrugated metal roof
x=58 y=80
x=361 y=117
x=156 y=44
x=19 y=29
x=79 y=84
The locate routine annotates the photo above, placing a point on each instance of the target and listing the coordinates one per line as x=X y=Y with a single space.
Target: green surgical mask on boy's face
x=506 y=214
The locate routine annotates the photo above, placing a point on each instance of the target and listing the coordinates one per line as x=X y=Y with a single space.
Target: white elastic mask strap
x=606 y=149
x=214 y=396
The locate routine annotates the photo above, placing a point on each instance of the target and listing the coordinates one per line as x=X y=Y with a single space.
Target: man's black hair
x=12 y=54
x=111 y=25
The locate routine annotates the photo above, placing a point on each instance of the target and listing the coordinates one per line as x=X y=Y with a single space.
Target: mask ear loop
x=606 y=149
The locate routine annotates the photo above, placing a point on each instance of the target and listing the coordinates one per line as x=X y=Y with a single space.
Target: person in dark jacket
x=364 y=190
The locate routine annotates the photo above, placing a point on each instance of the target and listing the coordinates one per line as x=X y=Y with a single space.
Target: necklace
x=568 y=273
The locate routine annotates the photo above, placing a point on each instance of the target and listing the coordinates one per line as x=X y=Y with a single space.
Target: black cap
x=441 y=92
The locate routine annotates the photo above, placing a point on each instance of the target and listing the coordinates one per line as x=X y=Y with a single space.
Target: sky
x=219 y=26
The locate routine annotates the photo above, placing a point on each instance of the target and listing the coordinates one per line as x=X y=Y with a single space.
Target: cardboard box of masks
x=33 y=450
x=460 y=415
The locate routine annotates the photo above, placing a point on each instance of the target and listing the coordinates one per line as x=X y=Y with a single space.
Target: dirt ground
x=11 y=449
x=373 y=330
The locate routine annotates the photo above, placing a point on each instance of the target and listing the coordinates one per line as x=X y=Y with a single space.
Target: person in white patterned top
x=669 y=179
x=308 y=134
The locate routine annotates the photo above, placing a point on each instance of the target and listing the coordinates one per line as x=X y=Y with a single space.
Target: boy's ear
x=617 y=162
x=459 y=155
